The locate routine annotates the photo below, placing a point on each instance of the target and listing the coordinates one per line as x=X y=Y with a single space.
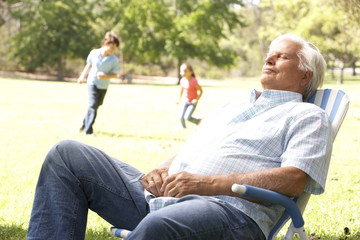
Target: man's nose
x=270 y=60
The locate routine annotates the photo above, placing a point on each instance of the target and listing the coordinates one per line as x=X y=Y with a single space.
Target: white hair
x=310 y=59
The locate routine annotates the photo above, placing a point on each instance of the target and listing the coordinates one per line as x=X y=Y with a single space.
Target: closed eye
x=278 y=55
x=283 y=56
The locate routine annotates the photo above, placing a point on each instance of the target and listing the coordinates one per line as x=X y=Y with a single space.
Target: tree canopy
x=224 y=33
x=52 y=31
x=150 y=31
x=321 y=22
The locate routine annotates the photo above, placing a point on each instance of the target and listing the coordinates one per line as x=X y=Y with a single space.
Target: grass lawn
x=138 y=124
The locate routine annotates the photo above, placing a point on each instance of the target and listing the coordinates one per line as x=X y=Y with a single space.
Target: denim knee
x=66 y=146
x=62 y=148
x=153 y=226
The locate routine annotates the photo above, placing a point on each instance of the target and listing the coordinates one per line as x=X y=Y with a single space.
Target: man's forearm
x=289 y=181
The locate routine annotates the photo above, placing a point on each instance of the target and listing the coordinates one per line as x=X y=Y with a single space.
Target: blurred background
x=220 y=38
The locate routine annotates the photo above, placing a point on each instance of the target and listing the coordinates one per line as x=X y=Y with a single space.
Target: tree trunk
x=178 y=69
x=341 y=77
x=354 y=67
x=332 y=72
x=60 y=71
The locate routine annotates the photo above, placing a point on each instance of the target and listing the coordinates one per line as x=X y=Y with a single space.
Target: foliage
x=52 y=31
x=246 y=42
x=182 y=30
x=351 y=7
x=229 y=34
x=334 y=33
x=151 y=31
x=319 y=21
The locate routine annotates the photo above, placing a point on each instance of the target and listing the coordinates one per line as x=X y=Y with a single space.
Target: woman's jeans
x=76 y=177
x=186 y=114
x=96 y=99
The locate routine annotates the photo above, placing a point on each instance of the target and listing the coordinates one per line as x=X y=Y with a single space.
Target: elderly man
x=276 y=141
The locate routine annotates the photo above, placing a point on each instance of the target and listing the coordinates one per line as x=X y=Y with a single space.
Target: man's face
x=281 y=69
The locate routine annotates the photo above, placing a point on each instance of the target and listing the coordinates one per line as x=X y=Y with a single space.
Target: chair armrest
x=271 y=197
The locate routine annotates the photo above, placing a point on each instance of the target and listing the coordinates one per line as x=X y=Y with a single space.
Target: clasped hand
x=159 y=183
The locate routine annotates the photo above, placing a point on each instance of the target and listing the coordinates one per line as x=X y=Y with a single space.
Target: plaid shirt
x=276 y=129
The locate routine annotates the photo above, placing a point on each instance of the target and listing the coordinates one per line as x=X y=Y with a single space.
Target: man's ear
x=306 y=78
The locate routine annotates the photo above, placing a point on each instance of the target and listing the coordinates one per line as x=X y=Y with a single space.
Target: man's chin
x=265 y=79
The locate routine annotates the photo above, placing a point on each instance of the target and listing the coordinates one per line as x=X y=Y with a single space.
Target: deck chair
x=335 y=103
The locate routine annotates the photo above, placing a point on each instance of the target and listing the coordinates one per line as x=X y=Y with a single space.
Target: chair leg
x=290 y=233
x=292 y=230
x=121 y=233
x=302 y=233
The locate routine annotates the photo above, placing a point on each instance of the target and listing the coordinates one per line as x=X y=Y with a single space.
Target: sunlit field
x=139 y=124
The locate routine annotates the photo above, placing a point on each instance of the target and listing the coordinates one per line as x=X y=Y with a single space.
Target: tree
x=320 y=21
x=351 y=7
x=352 y=10
x=335 y=34
x=279 y=17
x=246 y=42
x=51 y=32
x=152 y=31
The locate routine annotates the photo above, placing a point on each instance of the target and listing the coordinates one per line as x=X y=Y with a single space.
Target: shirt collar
x=275 y=97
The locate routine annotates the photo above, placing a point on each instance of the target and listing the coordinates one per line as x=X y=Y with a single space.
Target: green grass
x=138 y=124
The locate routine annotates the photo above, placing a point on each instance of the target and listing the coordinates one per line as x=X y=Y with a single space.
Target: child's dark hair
x=188 y=66
x=111 y=37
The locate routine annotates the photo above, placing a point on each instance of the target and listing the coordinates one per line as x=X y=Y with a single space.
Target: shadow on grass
x=12 y=232
x=349 y=236
x=100 y=235
x=15 y=232
x=135 y=136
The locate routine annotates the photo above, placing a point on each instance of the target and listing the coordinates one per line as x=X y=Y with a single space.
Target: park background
x=43 y=46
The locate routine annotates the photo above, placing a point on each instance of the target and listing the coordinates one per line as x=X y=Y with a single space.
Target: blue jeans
x=76 y=177
x=197 y=217
x=96 y=99
x=186 y=114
